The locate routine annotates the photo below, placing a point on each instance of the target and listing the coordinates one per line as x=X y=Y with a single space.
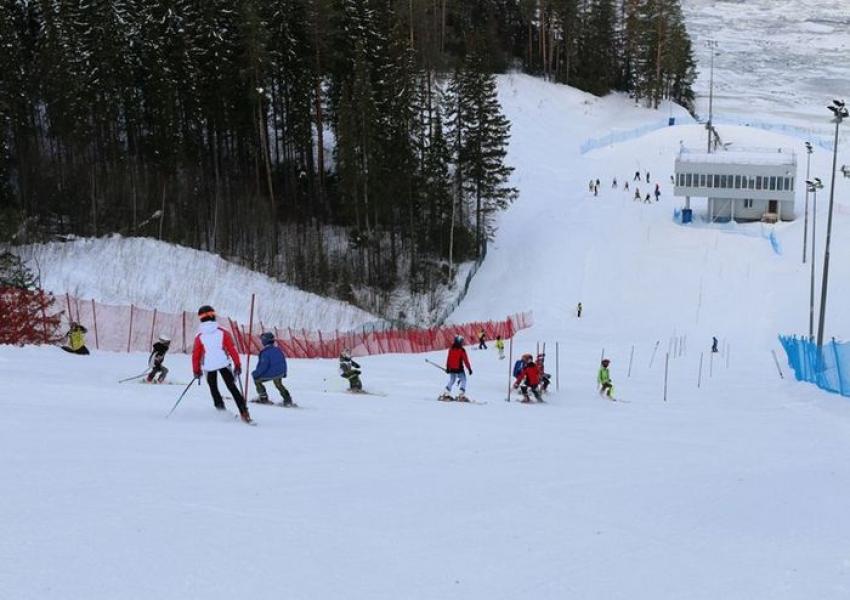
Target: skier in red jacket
x=212 y=354
x=455 y=363
x=528 y=379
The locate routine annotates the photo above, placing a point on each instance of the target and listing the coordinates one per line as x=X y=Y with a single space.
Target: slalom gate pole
x=666 y=370
x=699 y=378
x=778 y=368
x=510 y=368
x=132 y=378
x=631 y=358
x=651 y=360
x=188 y=385
x=248 y=350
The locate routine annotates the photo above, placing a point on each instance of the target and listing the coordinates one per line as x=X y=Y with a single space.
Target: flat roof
x=762 y=157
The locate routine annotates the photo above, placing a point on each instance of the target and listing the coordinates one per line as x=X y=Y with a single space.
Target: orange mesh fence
x=133 y=329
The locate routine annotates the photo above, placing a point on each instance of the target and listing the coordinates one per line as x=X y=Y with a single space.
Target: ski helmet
x=164 y=339
x=346 y=353
x=206 y=313
x=267 y=338
x=605 y=362
x=459 y=340
x=526 y=357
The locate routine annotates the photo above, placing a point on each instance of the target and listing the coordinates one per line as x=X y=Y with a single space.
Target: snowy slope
x=735 y=490
x=153 y=274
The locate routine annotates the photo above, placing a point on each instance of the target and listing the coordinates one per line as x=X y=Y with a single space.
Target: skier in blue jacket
x=271 y=367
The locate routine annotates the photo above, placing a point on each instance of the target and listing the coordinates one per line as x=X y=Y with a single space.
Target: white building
x=741 y=184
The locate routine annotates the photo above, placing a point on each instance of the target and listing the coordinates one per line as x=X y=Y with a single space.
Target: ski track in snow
x=736 y=490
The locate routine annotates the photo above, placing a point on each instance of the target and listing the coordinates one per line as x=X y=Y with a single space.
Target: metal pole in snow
x=666 y=370
x=248 y=349
x=631 y=358
x=94 y=318
x=776 y=361
x=510 y=367
x=654 y=350
x=557 y=367
x=699 y=377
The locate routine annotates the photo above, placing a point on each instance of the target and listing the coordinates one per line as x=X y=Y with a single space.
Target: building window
x=717 y=181
x=792 y=184
x=688 y=180
x=787 y=183
x=737 y=182
x=702 y=180
x=758 y=182
x=748 y=203
x=773 y=184
x=752 y=185
x=723 y=181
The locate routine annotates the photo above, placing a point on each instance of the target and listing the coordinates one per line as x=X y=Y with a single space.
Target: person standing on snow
x=76 y=339
x=647 y=176
x=482 y=340
x=614 y=184
x=212 y=354
x=578 y=310
x=606 y=386
x=500 y=346
x=637 y=194
x=456 y=360
x=714 y=344
x=657 y=192
x=626 y=186
x=271 y=367
x=157 y=358
x=528 y=379
x=637 y=176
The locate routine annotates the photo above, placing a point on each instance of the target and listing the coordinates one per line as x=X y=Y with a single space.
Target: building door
x=773 y=206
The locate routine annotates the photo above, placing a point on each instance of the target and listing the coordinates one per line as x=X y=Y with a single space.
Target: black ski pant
x=82 y=350
x=230 y=382
x=157 y=370
x=278 y=383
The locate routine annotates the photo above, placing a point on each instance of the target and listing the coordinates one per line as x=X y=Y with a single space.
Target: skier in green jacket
x=606 y=386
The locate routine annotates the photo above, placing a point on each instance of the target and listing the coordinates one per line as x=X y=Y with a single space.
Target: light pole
x=840 y=111
x=712 y=46
x=809 y=151
x=812 y=187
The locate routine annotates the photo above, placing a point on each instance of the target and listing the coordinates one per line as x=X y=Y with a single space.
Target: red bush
x=26 y=317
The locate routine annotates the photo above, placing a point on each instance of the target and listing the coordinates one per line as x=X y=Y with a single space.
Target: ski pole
x=132 y=378
x=198 y=379
x=430 y=362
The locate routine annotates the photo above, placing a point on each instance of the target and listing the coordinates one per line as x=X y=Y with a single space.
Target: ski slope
x=735 y=489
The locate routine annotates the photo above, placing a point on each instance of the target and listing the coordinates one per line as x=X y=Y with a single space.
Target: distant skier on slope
x=456 y=360
x=714 y=343
x=76 y=339
x=482 y=340
x=350 y=370
x=212 y=354
x=158 y=371
x=271 y=367
x=657 y=191
x=578 y=310
x=637 y=176
x=614 y=184
x=606 y=386
x=500 y=347
x=528 y=379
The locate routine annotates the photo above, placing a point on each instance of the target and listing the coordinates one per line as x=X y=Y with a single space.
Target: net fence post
x=838 y=367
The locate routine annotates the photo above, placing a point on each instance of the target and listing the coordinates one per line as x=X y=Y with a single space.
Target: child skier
x=212 y=354
x=500 y=346
x=76 y=339
x=456 y=360
x=606 y=386
x=545 y=378
x=578 y=310
x=271 y=367
x=528 y=379
x=157 y=369
x=350 y=370
x=482 y=340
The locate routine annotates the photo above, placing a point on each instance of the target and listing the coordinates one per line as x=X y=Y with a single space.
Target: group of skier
x=593 y=187
x=214 y=355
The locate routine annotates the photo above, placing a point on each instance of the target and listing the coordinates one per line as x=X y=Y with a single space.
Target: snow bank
x=153 y=274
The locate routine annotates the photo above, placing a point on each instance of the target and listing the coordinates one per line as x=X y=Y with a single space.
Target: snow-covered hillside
x=153 y=274
x=734 y=489
x=780 y=61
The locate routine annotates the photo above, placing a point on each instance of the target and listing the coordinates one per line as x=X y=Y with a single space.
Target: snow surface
x=736 y=489
x=153 y=274
x=780 y=62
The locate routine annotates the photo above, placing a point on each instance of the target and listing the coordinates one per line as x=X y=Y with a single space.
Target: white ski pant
x=457 y=377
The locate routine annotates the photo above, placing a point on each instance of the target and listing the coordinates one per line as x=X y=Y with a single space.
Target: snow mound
x=153 y=274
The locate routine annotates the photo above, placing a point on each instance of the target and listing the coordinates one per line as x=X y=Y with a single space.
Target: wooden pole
x=130 y=335
x=631 y=358
x=94 y=319
x=666 y=371
x=248 y=351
